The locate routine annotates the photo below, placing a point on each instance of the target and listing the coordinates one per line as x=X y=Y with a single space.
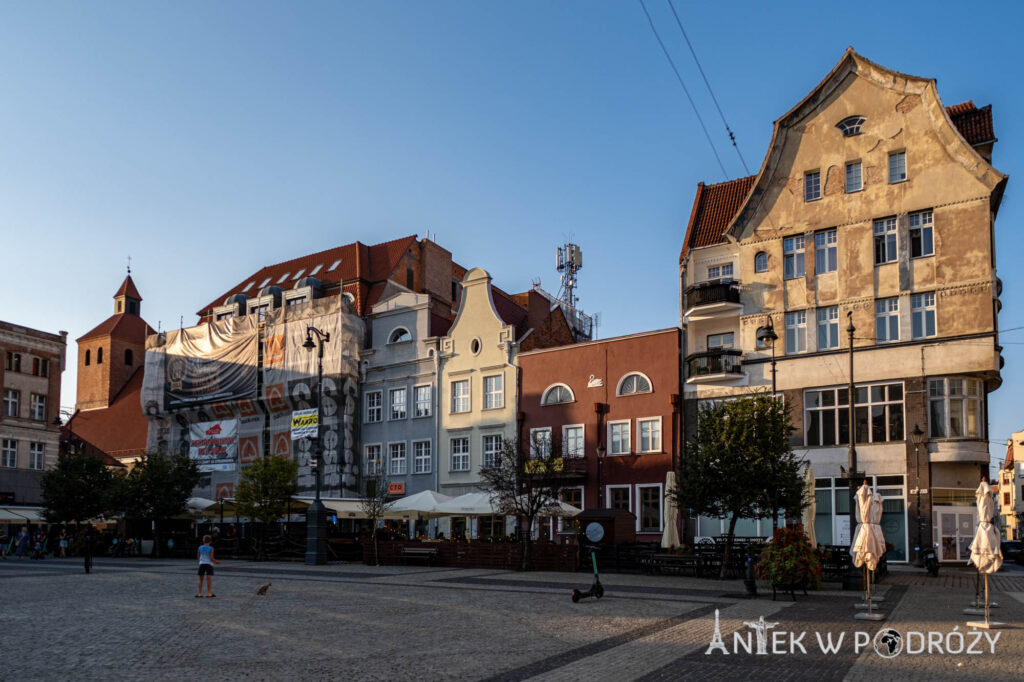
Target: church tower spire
x=127 y=300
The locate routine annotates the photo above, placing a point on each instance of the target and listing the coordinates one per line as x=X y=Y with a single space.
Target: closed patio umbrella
x=670 y=536
x=869 y=543
x=811 y=510
x=986 y=553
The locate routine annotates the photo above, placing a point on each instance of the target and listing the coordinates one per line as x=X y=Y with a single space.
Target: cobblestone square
x=138 y=619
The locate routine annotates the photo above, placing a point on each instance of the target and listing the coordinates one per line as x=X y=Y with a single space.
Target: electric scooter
x=596 y=590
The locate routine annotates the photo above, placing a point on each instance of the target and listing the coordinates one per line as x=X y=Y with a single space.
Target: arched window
x=128 y=356
x=99 y=355
x=557 y=394
x=399 y=334
x=761 y=262
x=88 y=357
x=850 y=125
x=634 y=383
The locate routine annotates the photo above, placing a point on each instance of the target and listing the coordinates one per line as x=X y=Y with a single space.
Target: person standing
x=63 y=543
x=206 y=562
x=21 y=543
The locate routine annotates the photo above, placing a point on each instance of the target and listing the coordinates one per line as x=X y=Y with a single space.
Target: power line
x=680 y=79
x=714 y=99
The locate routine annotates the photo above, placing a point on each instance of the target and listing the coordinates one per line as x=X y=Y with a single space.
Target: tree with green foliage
x=741 y=464
x=375 y=503
x=78 y=489
x=263 y=492
x=157 y=488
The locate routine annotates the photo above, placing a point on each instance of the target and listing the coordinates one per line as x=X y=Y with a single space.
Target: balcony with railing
x=712 y=299
x=714 y=365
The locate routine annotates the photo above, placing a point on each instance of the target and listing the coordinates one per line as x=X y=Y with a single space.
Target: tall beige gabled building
x=878 y=202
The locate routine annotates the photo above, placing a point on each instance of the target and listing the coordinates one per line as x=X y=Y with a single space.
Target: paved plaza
x=137 y=619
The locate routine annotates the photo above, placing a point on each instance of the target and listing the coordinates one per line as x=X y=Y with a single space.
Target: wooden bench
x=427 y=554
x=674 y=564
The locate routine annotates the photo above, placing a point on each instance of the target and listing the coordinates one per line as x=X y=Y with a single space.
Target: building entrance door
x=955 y=528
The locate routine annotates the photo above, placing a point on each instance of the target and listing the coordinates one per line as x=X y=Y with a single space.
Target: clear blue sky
x=209 y=139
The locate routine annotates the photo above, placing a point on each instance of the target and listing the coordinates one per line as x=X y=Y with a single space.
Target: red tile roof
x=119 y=430
x=510 y=312
x=127 y=288
x=973 y=123
x=121 y=325
x=714 y=207
x=357 y=261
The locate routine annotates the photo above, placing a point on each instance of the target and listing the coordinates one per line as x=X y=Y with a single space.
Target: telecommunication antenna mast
x=569 y=262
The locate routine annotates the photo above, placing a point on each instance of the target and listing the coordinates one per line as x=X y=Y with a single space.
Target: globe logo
x=888 y=643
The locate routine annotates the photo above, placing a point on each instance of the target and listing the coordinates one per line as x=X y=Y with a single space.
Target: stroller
x=39 y=546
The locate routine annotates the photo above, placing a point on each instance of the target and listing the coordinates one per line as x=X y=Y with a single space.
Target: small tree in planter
x=375 y=503
x=789 y=562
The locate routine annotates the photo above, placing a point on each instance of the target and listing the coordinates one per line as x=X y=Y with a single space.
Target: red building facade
x=612 y=407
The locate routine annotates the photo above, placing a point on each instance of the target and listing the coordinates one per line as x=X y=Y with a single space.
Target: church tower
x=111 y=353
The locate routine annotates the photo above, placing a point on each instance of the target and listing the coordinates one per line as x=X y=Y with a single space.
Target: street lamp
x=766 y=335
x=917 y=437
x=316 y=538
x=601 y=452
x=852 y=475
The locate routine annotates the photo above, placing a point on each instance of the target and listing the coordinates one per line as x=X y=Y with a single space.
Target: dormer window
x=634 y=383
x=399 y=335
x=850 y=125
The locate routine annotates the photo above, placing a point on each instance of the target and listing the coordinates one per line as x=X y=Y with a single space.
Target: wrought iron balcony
x=711 y=298
x=713 y=365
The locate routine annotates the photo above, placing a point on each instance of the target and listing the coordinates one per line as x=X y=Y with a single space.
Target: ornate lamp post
x=853 y=477
x=766 y=335
x=917 y=437
x=316 y=531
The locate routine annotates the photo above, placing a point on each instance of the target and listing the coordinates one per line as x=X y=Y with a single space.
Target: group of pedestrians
x=25 y=544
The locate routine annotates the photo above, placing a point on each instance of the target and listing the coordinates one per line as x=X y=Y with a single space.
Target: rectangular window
x=650 y=508
x=828 y=328
x=13 y=362
x=10 y=454
x=373 y=407
x=854 y=181
x=397 y=465
x=721 y=341
x=921 y=239
x=494 y=393
x=796 y=332
x=618 y=438
x=38 y=406
x=922 y=315
x=223 y=316
x=41 y=367
x=650 y=434
x=720 y=271
x=12 y=400
x=812 y=186
x=492 y=451
x=36 y=455
x=956 y=407
x=825 y=251
x=897 y=167
x=371 y=465
x=793 y=257
x=573 y=496
x=885 y=241
x=618 y=497
x=261 y=312
x=878 y=412
x=397 y=403
x=421 y=456
x=424 y=401
x=460 y=454
x=540 y=442
x=295 y=301
x=572 y=441
x=460 y=396
x=887 y=320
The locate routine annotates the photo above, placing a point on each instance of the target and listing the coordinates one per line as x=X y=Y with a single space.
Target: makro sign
x=214 y=445
x=764 y=639
x=305 y=424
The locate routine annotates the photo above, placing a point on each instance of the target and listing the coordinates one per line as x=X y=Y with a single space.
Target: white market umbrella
x=811 y=510
x=198 y=505
x=559 y=508
x=869 y=543
x=470 y=504
x=986 y=553
x=424 y=502
x=670 y=536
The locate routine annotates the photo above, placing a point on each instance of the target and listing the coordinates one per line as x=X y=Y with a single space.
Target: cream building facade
x=1011 y=487
x=875 y=206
